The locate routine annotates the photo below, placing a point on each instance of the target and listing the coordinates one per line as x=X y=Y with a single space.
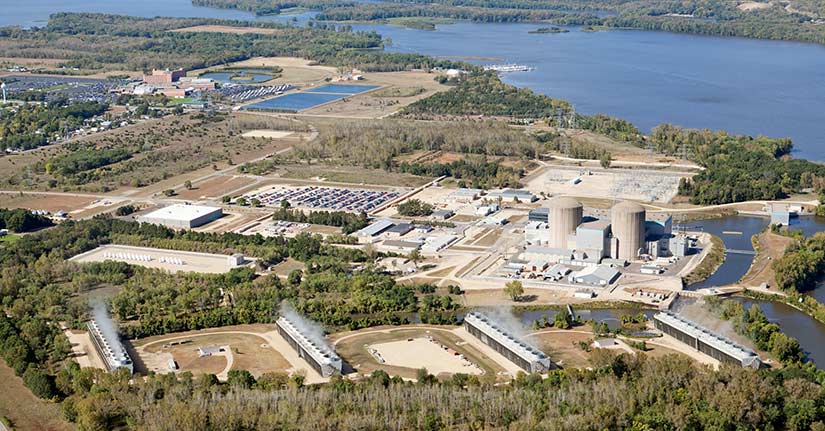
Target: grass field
x=24 y=410
x=9 y=238
x=351 y=175
x=248 y=350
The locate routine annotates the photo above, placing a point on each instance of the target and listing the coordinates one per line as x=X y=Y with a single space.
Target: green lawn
x=9 y=238
x=178 y=101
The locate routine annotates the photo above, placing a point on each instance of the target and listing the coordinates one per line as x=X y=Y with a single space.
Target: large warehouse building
x=317 y=354
x=109 y=348
x=180 y=216
x=705 y=341
x=516 y=351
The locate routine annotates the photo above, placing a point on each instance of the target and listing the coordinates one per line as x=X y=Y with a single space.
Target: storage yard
x=170 y=260
x=640 y=185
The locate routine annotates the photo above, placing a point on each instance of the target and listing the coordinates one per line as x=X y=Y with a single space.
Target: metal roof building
x=375 y=229
x=705 y=341
x=321 y=357
x=520 y=353
x=181 y=216
x=595 y=275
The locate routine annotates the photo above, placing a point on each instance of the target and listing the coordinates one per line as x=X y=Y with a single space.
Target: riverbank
x=710 y=262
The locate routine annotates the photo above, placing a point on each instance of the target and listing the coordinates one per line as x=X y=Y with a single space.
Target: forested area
x=738 y=168
x=30 y=126
x=485 y=94
x=271 y=7
x=753 y=324
x=797 y=21
x=383 y=11
x=470 y=171
x=22 y=220
x=386 y=144
x=802 y=265
x=347 y=221
x=39 y=287
x=618 y=392
x=112 y=42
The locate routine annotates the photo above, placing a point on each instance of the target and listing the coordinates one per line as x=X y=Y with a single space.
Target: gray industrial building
x=181 y=216
x=627 y=234
x=368 y=233
x=319 y=356
x=540 y=214
x=516 y=351
x=706 y=341
x=109 y=348
x=512 y=195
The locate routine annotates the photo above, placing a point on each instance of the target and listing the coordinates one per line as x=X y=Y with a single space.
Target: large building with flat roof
x=705 y=341
x=181 y=216
x=516 y=351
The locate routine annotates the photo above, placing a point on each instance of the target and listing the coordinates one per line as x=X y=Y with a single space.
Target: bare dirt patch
x=226 y=29
x=354 y=348
x=51 y=203
x=272 y=134
x=770 y=247
x=752 y=5
x=246 y=351
x=215 y=187
x=26 y=411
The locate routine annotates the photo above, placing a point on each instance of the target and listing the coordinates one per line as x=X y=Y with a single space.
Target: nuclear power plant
x=563 y=233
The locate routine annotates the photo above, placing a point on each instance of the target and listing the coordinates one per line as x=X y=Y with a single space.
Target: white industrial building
x=371 y=232
x=437 y=243
x=599 y=275
x=512 y=195
x=181 y=216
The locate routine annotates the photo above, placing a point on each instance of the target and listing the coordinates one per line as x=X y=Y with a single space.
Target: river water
x=740 y=85
x=793 y=322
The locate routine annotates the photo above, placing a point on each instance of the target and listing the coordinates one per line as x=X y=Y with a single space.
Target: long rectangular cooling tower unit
x=518 y=352
x=705 y=341
x=112 y=351
x=322 y=358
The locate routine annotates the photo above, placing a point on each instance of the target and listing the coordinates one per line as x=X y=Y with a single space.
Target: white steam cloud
x=311 y=330
x=107 y=327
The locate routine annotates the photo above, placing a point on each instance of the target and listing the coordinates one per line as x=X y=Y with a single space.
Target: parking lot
x=74 y=89
x=329 y=198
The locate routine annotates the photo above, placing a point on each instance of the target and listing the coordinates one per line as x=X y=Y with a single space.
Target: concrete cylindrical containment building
x=565 y=215
x=628 y=225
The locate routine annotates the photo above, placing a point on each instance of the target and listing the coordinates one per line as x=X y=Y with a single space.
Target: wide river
x=740 y=85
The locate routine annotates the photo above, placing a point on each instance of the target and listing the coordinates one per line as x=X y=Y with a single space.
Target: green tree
x=514 y=289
